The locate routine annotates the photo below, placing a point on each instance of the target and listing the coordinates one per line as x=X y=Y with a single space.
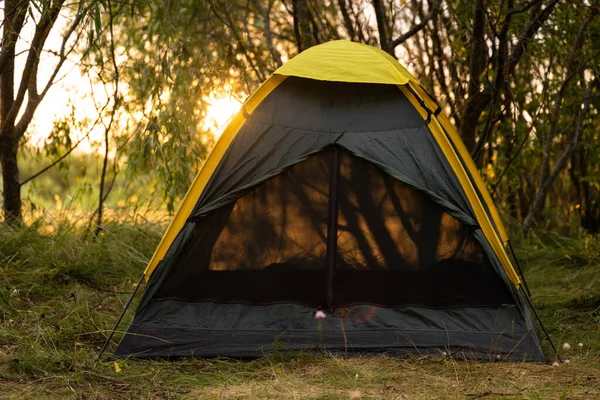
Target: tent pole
x=112 y=333
x=519 y=267
x=332 y=224
x=539 y=320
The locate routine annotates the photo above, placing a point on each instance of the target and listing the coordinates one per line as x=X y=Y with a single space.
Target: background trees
x=519 y=78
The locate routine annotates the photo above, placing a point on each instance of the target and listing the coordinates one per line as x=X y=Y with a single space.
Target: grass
x=60 y=294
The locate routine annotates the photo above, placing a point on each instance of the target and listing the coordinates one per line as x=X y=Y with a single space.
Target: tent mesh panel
x=395 y=245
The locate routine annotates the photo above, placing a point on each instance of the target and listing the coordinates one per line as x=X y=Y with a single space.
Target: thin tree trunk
x=102 y=196
x=542 y=192
x=301 y=15
x=102 y=182
x=268 y=34
x=585 y=194
x=9 y=144
x=14 y=120
x=348 y=24
x=10 y=180
x=478 y=59
x=296 y=22
x=384 y=38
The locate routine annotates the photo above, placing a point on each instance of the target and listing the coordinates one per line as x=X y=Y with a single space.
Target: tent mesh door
x=395 y=246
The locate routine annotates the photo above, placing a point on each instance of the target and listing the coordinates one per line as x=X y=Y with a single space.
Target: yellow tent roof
x=344 y=61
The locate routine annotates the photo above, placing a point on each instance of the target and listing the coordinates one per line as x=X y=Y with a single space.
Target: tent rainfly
x=340 y=211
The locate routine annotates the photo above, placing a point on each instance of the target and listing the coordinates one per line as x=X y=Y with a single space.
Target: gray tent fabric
x=217 y=329
x=287 y=141
x=301 y=117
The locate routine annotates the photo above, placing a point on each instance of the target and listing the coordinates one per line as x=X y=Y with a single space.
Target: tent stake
x=519 y=267
x=539 y=320
x=112 y=333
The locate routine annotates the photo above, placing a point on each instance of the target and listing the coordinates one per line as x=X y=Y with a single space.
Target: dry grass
x=319 y=377
x=60 y=294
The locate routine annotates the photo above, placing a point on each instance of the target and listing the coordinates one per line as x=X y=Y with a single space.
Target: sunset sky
x=75 y=92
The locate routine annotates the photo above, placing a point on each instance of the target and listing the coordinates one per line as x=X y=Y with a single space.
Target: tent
x=340 y=211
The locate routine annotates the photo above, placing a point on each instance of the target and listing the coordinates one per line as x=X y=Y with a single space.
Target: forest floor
x=59 y=295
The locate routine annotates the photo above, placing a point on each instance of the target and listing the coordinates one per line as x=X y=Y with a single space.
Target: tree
x=18 y=103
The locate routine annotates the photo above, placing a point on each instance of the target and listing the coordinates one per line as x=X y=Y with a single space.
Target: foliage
x=177 y=58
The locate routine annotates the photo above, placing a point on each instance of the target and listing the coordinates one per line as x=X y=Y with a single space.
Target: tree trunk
x=11 y=187
x=15 y=115
x=302 y=31
x=9 y=144
x=348 y=23
x=586 y=195
x=384 y=39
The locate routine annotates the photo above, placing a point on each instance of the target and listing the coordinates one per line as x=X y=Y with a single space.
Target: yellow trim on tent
x=344 y=61
x=466 y=157
x=481 y=216
x=207 y=169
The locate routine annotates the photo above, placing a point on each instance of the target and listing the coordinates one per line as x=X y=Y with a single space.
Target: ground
x=60 y=293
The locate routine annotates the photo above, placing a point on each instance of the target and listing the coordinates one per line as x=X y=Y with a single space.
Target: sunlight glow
x=220 y=110
x=75 y=88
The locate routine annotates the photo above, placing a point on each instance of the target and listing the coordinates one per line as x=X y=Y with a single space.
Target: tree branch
x=101 y=196
x=238 y=39
x=535 y=22
x=42 y=30
x=417 y=28
x=13 y=23
x=35 y=98
x=55 y=162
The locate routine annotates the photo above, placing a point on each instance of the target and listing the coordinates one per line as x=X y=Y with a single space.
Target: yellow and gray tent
x=340 y=190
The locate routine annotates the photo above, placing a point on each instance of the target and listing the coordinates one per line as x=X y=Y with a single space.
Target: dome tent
x=339 y=187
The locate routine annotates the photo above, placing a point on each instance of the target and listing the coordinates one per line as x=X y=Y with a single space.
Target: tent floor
x=205 y=329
